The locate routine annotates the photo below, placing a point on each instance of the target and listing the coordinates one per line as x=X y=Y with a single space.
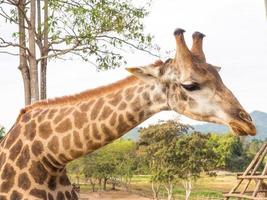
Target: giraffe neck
x=99 y=120
x=47 y=136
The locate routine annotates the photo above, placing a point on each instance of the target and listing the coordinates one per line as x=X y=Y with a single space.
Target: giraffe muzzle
x=243 y=125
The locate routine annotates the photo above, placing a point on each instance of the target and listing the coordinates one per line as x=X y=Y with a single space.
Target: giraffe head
x=194 y=87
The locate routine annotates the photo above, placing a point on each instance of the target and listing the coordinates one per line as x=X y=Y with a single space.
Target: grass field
x=204 y=186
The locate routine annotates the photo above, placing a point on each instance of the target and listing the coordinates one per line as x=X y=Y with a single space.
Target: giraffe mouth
x=243 y=129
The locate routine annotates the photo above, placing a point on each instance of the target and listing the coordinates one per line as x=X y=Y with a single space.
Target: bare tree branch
x=128 y=43
x=4 y=44
x=9 y=53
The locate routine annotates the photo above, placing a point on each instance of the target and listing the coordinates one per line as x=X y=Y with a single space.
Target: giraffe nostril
x=243 y=115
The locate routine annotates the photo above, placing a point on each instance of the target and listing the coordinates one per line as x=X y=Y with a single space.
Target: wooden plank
x=245 y=196
x=252 y=177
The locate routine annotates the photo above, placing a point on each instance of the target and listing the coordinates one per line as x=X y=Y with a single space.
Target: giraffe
x=49 y=134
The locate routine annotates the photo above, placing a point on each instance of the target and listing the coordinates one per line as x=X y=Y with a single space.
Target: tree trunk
x=105 y=184
x=188 y=188
x=92 y=184
x=23 y=66
x=32 y=57
x=169 y=188
x=44 y=53
x=113 y=185
x=155 y=189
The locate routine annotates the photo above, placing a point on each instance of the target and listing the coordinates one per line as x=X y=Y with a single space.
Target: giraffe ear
x=144 y=73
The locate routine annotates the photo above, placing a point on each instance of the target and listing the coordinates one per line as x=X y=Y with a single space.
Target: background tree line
x=168 y=152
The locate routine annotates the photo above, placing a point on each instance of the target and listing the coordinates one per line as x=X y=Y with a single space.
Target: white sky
x=236 y=40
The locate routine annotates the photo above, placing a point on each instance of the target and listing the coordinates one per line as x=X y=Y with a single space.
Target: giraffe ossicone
x=49 y=134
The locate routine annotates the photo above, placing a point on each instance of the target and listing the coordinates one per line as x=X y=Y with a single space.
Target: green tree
x=94 y=30
x=2 y=132
x=192 y=156
x=157 y=144
x=114 y=162
x=231 y=154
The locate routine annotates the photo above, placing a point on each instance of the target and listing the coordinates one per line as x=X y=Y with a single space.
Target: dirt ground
x=118 y=195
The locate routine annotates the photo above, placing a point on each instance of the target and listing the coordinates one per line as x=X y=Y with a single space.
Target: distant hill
x=259 y=118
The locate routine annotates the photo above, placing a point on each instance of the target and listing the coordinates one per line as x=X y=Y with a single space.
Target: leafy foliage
x=98 y=31
x=193 y=155
x=2 y=132
x=231 y=153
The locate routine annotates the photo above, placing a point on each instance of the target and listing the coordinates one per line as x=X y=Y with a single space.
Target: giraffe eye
x=191 y=87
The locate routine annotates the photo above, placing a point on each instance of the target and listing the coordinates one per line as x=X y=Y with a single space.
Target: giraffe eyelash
x=191 y=87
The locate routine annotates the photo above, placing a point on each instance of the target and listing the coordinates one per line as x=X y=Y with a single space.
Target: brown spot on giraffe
x=37 y=147
x=64 y=126
x=53 y=144
x=130 y=118
x=95 y=132
x=75 y=153
x=66 y=141
x=36 y=112
x=2 y=160
x=38 y=172
x=15 y=195
x=50 y=197
x=2 y=197
x=140 y=89
x=41 y=194
x=68 y=195
x=45 y=130
x=26 y=117
x=122 y=106
x=24 y=157
x=12 y=136
x=42 y=115
x=77 y=140
x=86 y=106
x=30 y=130
x=64 y=180
x=135 y=105
x=8 y=178
x=52 y=113
x=141 y=115
x=106 y=112
x=15 y=150
x=113 y=119
x=80 y=118
x=59 y=117
x=96 y=108
x=122 y=125
x=24 y=181
x=92 y=145
x=108 y=134
x=115 y=99
x=52 y=183
x=86 y=132
x=60 y=196
x=129 y=93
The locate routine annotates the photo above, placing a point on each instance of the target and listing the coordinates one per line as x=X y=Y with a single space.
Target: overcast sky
x=236 y=40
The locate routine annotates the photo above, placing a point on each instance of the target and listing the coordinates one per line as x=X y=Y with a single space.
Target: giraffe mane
x=84 y=95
